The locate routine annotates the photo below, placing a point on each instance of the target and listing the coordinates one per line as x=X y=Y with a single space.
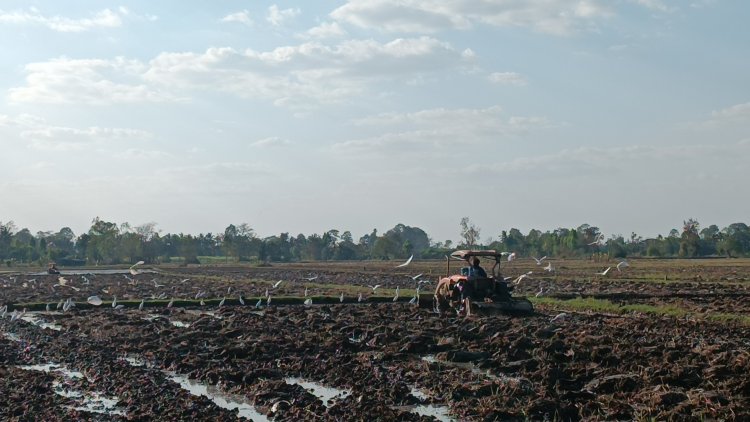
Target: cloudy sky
x=631 y=115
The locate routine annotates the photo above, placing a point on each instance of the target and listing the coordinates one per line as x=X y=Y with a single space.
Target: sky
x=302 y=117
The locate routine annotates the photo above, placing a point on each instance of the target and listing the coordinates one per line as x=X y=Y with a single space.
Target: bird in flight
x=275 y=285
x=406 y=263
x=417 y=276
x=311 y=278
x=521 y=277
x=549 y=267
x=373 y=287
x=622 y=264
x=539 y=261
x=604 y=273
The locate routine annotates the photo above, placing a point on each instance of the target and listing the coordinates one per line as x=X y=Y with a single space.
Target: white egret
x=308 y=301
x=559 y=317
x=306 y=291
x=414 y=300
x=622 y=264
x=359 y=298
x=268 y=301
x=157 y=285
x=277 y=284
x=171 y=302
x=522 y=276
x=203 y=303
x=114 y=301
x=311 y=278
x=373 y=287
x=549 y=267
x=406 y=263
x=604 y=273
x=222 y=301
x=341 y=298
x=417 y=276
x=143 y=302
x=47 y=308
x=539 y=261
x=242 y=301
x=259 y=303
x=511 y=256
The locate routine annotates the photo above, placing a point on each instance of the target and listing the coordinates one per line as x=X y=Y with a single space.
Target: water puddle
x=223 y=400
x=53 y=367
x=98 y=403
x=327 y=394
x=438 y=411
x=12 y=337
x=33 y=318
x=95 y=402
x=478 y=371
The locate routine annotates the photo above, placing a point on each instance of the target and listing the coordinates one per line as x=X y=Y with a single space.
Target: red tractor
x=468 y=294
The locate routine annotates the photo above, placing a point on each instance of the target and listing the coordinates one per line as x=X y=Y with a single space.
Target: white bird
x=143 y=302
x=395 y=298
x=242 y=300
x=311 y=278
x=522 y=276
x=275 y=285
x=94 y=300
x=229 y=289
x=414 y=300
x=549 y=267
x=157 y=285
x=359 y=298
x=199 y=295
x=60 y=304
x=373 y=287
x=604 y=273
x=417 y=276
x=184 y=280
x=47 y=308
x=119 y=307
x=222 y=301
x=268 y=301
x=267 y=294
x=306 y=292
x=114 y=301
x=406 y=263
x=559 y=317
x=203 y=303
x=171 y=302
x=341 y=298
x=308 y=302
x=259 y=303
x=539 y=261
x=622 y=264
x=511 y=256
x=539 y=293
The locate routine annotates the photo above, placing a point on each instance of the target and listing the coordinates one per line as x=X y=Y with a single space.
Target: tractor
x=481 y=295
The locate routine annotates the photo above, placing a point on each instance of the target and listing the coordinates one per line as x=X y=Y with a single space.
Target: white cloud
x=507 y=78
x=735 y=113
x=326 y=30
x=103 y=19
x=298 y=76
x=92 y=81
x=559 y=17
x=143 y=154
x=41 y=135
x=59 y=138
x=271 y=142
x=440 y=128
x=277 y=16
x=242 y=17
x=657 y=5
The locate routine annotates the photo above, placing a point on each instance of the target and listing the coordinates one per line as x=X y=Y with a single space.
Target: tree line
x=108 y=243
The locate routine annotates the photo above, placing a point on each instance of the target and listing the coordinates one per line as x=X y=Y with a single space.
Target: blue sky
x=629 y=115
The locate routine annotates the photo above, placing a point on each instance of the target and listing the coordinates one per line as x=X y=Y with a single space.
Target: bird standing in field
x=622 y=264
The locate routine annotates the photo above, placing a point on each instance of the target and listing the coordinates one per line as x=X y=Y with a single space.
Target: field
x=659 y=340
